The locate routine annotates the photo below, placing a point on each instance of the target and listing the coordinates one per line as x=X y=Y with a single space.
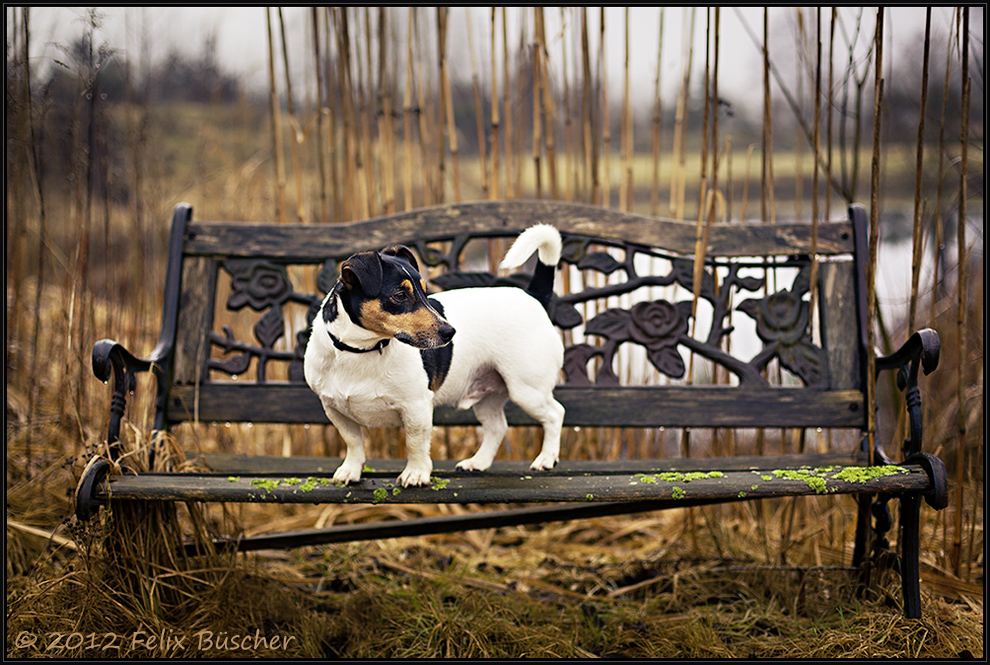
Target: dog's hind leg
x=491 y=414
x=548 y=412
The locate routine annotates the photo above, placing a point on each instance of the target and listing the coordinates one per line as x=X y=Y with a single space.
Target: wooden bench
x=642 y=321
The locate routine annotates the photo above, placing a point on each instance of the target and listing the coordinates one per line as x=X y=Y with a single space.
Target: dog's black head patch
x=404 y=253
x=363 y=271
x=384 y=292
x=367 y=270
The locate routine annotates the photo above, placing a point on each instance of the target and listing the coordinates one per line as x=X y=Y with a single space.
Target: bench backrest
x=639 y=351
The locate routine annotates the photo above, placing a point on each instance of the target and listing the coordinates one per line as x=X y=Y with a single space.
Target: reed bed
x=380 y=125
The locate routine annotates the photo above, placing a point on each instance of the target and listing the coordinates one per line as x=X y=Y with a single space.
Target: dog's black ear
x=363 y=269
x=402 y=252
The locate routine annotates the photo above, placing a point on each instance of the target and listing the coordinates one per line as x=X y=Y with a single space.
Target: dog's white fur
x=505 y=347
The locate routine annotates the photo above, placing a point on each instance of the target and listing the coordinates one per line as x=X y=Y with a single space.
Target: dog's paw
x=347 y=473
x=544 y=462
x=413 y=477
x=474 y=464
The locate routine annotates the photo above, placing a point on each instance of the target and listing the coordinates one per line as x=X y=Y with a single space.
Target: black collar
x=346 y=347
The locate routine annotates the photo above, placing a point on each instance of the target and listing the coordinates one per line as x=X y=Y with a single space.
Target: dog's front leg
x=418 y=424
x=350 y=432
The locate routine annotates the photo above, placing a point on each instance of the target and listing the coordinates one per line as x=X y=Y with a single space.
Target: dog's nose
x=446 y=333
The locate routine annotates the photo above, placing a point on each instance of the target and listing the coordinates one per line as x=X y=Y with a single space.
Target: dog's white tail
x=541 y=238
x=545 y=241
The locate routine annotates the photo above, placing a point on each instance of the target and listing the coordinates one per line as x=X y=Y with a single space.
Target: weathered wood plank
x=839 y=318
x=535 y=487
x=196 y=304
x=640 y=406
x=318 y=242
x=228 y=463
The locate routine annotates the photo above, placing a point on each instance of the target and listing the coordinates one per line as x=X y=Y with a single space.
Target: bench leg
x=910 y=546
x=864 y=527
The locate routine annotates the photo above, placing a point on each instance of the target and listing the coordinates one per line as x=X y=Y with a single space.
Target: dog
x=472 y=348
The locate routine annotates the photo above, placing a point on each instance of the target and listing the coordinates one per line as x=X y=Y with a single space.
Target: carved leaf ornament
x=661 y=327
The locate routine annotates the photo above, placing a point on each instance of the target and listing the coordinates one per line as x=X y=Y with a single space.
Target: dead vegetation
x=635 y=586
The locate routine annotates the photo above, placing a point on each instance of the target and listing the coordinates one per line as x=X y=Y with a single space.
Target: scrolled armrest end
x=109 y=354
x=923 y=346
x=930 y=348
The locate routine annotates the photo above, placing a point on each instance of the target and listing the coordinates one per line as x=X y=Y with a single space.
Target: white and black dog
x=505 y=347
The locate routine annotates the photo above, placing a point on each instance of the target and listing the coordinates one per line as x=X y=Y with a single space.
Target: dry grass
x=622 y=586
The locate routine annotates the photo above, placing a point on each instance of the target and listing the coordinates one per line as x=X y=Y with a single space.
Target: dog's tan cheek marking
x=374 y=318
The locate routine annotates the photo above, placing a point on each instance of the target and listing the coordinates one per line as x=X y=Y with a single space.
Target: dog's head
x=383 y=292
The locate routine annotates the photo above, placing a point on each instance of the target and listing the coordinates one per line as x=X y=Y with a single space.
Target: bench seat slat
x=231 y=463
x=665 y=406
x=486 y=488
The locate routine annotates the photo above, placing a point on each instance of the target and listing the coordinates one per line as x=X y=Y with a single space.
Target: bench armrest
x=111 y=359
x=920 y=351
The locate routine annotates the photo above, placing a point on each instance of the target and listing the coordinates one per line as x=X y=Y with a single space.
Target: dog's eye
x=401 y=295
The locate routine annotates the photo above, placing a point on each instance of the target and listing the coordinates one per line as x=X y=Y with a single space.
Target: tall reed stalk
x=566 y=97
x=407 y=116
x=367 y=179
x=449 y=104
x=801 y=51
x=386 y=133
x=606 y=127
x=426 y=124
x=626 y=191
x=962 y=303
x=280 y=183
x=321 y=115
x=495 y=189
x=36 y=169
x=547 y=107
x=333 y=109
x=677 y=181
x=590 y=145
x=479 y=111
x=768 y=208
x=916 y=235
x=296 y=134
x=510 y=176
x=535 y=95
x=817 y=148
x=657 y=116
x=83 y=297
x=830 y=103
x=871 y=266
